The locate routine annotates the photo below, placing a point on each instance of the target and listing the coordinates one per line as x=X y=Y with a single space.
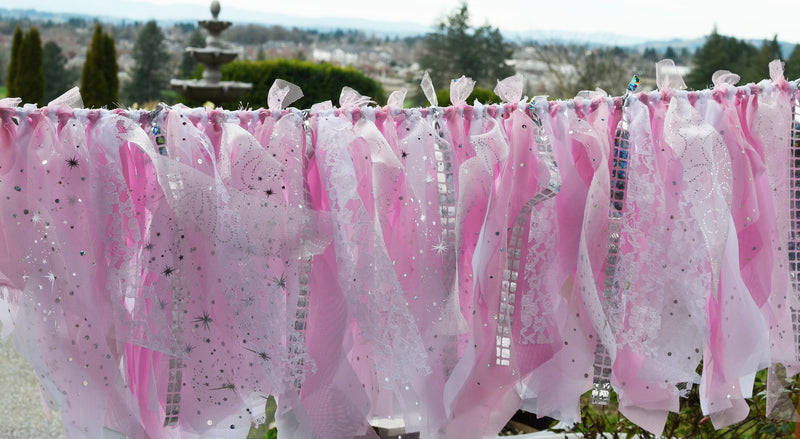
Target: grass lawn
x=2 y=92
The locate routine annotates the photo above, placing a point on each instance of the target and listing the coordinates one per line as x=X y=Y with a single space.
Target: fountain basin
x=215 y=92
x=211 y=56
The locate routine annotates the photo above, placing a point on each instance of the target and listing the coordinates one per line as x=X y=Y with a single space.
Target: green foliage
x=189 y=65
x=758 y=67
x=670 y=53
x=320 y=82
x=719 y=53
x=263 y=431
x=99 y=84
x=150 y=75
x=29 y=82
x=690 y=421
x=110 y=68
x=793 y=64
x=4 y=54
x=13 y=63
x=483 y=95
x=57 y=79
x=456 y=49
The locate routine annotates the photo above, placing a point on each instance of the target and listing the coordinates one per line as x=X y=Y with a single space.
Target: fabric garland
x=164 y=272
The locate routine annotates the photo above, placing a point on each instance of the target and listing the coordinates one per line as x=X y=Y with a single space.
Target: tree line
x=721 y=52
x=454 y=48
x=38 y=74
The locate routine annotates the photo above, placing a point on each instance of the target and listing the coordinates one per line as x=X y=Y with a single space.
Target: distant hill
x=134 y=10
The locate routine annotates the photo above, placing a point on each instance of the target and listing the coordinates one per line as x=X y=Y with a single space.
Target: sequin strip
x=447 y=192
x=158 y=132
x=176 y=365
x=508 y=293
x=794 y=212
x=601 y=380
x=297 y=337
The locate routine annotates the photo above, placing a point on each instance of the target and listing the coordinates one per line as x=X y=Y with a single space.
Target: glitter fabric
x=164 y=272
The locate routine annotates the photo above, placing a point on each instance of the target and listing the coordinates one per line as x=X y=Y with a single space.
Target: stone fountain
x=213 y=56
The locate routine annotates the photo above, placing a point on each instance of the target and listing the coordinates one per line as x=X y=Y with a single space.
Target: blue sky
x=684 y=19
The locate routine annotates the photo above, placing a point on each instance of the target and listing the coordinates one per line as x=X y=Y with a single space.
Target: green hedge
x=483 y=95
x=319 y=82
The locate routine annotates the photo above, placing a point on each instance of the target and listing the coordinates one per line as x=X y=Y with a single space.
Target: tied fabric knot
x=776 y=71
x=350 y=98
x=592 y=95
x=721 y=78
x=8 y=130
x=396 y=98
x=510 y=89
x=460 y=89
x=668 y=77
x=723 y=81
x=428 y=90
x=282 y=94
x=68 y=100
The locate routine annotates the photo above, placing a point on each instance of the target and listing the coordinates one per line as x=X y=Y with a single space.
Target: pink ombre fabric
x=164 y=272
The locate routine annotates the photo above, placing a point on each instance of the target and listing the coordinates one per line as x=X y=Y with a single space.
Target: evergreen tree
x=13 y=64
x=457 y=49
x=758 y=67
x=3 y=66
x=793 y=64
x=671 y=54
x=99 y=77
x=150 y=75
x=57 y=79
x=30 y=76
x=189 y=65
x=650 y=54
x=110 y=68
x=719 y=53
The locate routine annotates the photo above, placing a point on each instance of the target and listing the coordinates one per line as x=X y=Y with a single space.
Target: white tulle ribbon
x=70 y=99
x=723 y=77
x=396 y=98
x=353 y=99
x=776 y=70
x=668 y=77
x=428 y=90
x=510 y=89
x=10 y=102
x=460 y=89
x=282 y=94
x=592 y=94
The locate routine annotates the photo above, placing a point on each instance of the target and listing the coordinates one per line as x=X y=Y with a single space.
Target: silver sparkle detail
x=601 y=379
x=515 y=240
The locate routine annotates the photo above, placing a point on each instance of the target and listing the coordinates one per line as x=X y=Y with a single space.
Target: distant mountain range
x=133 y=10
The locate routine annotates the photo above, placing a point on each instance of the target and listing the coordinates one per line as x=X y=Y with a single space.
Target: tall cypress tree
x=110 y=67
x=150 y=75
x=13 y=64
x=30 y=76
x=99 y=86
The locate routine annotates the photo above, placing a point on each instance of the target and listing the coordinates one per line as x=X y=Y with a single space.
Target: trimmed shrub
x=483 y=95
x=320 y=82
x=29 y=83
